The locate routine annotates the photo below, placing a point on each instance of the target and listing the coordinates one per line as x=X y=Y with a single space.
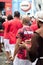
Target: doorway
x=2 y=7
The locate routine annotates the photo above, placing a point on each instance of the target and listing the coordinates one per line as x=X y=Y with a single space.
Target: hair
x=3 y=20
x=39 y=23
x=26 y=21
x=9 y=17
x=16 y=14
x=0 y=19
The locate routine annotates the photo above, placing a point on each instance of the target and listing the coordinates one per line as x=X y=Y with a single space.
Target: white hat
x=39 y=15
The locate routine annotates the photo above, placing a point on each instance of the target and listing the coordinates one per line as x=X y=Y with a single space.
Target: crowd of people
x=23 y=39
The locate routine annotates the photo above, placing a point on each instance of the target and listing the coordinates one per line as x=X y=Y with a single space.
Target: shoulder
x=39 y=31
x=20 y=30
x=5 y=22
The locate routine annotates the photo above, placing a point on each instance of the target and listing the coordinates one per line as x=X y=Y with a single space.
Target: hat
x=39 y=16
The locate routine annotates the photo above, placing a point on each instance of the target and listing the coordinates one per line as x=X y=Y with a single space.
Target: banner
x=8 y=8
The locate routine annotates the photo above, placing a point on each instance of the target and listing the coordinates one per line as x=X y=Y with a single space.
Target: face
x=29 y=23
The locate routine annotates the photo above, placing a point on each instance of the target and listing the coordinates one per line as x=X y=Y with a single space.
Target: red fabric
x=2 y=34
x=13 y=27
x=25 y=33
x=5 y=25
x=34 y=27
x=34 y=22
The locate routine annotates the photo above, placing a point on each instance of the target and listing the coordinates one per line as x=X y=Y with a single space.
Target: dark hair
x=0 y=19
x=3 y=20
x=39 y=22
x=16 y=14
x=9 y=17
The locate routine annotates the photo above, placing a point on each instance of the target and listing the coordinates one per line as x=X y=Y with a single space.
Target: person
x=23 y=34
x=9 y=17
x=13 y=27
x=34 y=26
x=6 y=39
x=1 y=32
x=36 y=50
x=4 y=16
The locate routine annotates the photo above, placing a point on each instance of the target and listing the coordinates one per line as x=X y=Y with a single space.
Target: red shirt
x=5 y=25
x=34 y=27
x=13 y=27
x=24 y=33
x=1 y=33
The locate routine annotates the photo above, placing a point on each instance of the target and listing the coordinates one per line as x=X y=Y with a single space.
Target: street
x=3 y=59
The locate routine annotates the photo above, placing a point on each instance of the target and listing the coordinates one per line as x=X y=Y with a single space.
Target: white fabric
x=12 y=48
x=9 y=47
x=6 y=45
x=34 y=63
x=39 y=15
x=41 y=57
x=18 y=61
x=1 y=39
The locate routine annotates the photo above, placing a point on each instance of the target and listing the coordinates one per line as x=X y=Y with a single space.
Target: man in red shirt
x=13 y=27
x=6 y=41
x=23 y=34
x=6 y=38
x=34 y=26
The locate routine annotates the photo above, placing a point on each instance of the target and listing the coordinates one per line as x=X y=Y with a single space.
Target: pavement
x=3 y=59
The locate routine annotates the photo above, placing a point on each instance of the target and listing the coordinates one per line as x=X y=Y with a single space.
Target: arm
x=17 y=47
x=26 y=45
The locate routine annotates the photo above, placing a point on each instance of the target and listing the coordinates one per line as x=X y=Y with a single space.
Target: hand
x=23 y=45
x=12 y=59
x=28 y=41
